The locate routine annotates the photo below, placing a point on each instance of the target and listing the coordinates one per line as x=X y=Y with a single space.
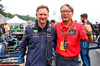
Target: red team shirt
x=73 y=39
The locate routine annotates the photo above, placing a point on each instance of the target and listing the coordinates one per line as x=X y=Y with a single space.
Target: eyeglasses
x=65 y=12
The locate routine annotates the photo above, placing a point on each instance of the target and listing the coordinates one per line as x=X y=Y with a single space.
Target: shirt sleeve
x=22 y=48
x=82 y=33
x=55 y=36
x=1 y=32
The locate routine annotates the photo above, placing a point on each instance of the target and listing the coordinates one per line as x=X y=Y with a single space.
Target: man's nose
x=43 y=16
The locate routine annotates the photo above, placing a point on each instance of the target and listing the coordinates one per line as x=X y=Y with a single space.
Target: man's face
x=96 y=22
x=2 y=26
x=52 y=23
x=42 y=15
x=5 y=23
x=82 y=19
x=29 y=24
x=66 y=13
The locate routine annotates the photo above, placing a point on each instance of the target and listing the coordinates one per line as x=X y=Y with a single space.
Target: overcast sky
x=28 y=7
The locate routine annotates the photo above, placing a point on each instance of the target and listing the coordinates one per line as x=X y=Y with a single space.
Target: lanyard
x=65 y=34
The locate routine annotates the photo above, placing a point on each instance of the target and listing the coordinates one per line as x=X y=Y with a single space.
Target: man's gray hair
x=42 y=6
x=70 y=7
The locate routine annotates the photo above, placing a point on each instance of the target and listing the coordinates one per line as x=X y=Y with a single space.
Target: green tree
x=1 y=8
x=9 y=15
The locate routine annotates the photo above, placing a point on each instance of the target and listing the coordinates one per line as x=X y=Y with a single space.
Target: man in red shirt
x=68 y=38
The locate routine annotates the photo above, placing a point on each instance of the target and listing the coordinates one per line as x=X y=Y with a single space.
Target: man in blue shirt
x=39 y=40
x=85 y=45
x=3 y=29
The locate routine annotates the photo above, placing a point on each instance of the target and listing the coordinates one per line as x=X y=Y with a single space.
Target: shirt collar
x=39 y=28
x=68 y=26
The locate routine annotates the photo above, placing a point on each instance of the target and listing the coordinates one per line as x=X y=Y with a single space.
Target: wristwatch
x=88 y=34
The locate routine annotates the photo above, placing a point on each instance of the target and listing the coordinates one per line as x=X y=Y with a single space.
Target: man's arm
x=90 y=38
x=21 y=64
x=5 y=34
x=2 y=37
x=22 y=49
x=88 y=31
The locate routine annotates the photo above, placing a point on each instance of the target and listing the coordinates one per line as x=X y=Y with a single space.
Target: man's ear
x=72 y=13
x=84 y=18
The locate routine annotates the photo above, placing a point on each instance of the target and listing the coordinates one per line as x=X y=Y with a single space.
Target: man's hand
x=88 y=31
x=22 y=64
x=87 y=28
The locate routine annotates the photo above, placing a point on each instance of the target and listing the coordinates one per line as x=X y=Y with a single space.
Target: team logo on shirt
x=74 y=28
x=48 y=35
x=72 y=32
x=35 y=31
x=32 y=26
x=35 y=34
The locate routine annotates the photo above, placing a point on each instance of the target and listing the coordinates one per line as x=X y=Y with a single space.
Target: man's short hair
x=70 y=7
x=84 y=15
x=53 y=21
x=42 y=6
x=96 y=22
